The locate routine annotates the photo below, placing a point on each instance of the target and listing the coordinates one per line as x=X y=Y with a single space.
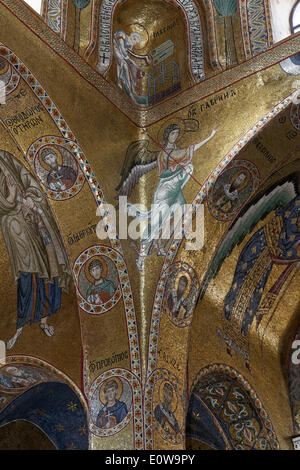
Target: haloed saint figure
x=177 y=301
x=60 y=177
x=231 y=192
x=163 y=411
x=36 y=252
x=101 y=289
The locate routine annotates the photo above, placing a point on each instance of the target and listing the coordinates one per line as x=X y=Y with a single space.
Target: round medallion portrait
x=97 y=280
x=181 y=293
x=232 y=189
x=54 y=161
x=111 y=406
x=168 y=412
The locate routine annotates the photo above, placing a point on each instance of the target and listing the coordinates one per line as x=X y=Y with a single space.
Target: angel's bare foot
x=47 y=329
x=10 y=343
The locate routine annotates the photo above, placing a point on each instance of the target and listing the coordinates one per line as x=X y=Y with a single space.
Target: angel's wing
x=138 y=161
x=279 y=197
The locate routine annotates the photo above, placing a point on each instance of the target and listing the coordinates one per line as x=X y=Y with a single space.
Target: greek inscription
x=168 y=359
x=166 y=29
x=76 y=237
x=217 y=100
x=262 y=149
x=110 y=361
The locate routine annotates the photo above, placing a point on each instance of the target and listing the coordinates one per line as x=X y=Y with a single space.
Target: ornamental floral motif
x=229 y=399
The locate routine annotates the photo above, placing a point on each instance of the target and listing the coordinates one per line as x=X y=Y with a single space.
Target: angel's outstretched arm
x=200 y=144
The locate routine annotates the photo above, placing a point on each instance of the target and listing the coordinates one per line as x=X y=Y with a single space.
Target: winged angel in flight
x=175 y=168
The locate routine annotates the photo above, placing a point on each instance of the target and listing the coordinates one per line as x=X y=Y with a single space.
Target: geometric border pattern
x=90 y=176
x=188 y=97
x=175 y=244
x=256 y=26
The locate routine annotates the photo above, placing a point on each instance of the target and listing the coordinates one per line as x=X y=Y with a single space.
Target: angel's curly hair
x=170 y=128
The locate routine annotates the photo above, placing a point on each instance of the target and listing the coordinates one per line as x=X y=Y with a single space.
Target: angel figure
x=276 y=243
x=174 y=170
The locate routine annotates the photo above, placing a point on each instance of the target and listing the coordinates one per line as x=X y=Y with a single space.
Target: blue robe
x=118 y=412
x=36 y=298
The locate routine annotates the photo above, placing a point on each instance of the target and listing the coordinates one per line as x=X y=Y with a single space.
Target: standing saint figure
x=275 y=243
x=174 y=170
x=36 y=252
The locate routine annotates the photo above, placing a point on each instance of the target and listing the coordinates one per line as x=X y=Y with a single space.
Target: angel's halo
x=175 y=120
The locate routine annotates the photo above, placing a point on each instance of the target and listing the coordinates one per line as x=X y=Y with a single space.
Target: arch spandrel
x=258 y=328
x=34 y=130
